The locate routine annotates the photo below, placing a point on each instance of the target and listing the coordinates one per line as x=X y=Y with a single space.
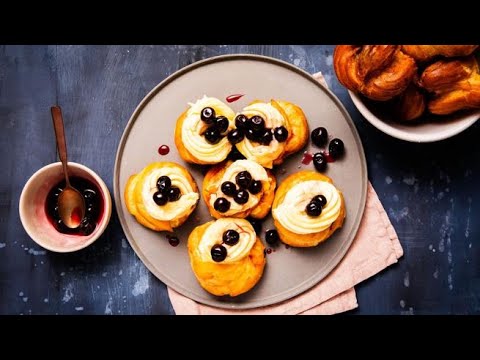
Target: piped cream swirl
x=264 y=154
x=291 y=211
x=171 y=210
x=257 y=172
x=193 y=127
x=214 y=235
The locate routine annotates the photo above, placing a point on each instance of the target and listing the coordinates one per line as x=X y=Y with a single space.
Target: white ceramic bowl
x=33 y=215
x=434 y=130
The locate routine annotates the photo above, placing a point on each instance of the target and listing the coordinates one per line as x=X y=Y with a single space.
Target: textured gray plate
x=289 y=271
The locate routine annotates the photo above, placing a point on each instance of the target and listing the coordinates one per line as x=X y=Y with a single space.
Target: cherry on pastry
x=235 y=136
x=320 y=200
x=241 y=197
x=319 y=136
x=174 y=193
x=243 y=179
x=231 y=237
x=221 y=123
x=336 y=148
x=163 y=184
x=266 y=137
x=241 y=121
x=212 y=135
x=313 y=209
x=257 y=123
x=235 y=154
x=281 y=133
x=221 y=205
x=319 y=161
x=218 y=252
x=229 y=188
x=255 y=187
x=271 y=236
x=207 y=115
x=251 y=135
x=160 y=198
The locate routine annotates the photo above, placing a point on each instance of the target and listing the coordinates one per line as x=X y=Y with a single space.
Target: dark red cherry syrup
x=234 y=97
x=307 y=158
x=163 y=150
x=93 y=206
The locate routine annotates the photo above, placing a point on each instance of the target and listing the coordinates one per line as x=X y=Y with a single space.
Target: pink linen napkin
x=375 y=247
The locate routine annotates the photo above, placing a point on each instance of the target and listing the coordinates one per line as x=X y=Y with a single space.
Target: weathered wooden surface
x=430 y=191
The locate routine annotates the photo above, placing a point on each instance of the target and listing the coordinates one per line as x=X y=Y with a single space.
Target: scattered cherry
x=319 y=136
x=218 y=252
x=173 y=240
x=319 y=162
x=221 y=205
x=336 y=148
x=163 y=150
x=256 y=224
x=271 y=236
x=231 y=237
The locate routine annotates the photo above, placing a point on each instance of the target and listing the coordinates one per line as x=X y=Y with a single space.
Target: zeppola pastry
x=239 y=189
x=427 y=52
x=201 y=132
x=455 y=84
x=380 y=72
x=307 y=209
x=226 y=256
x=267 y=132
x=161 y=196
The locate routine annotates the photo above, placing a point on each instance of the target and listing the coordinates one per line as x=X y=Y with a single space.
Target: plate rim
x=303 y=286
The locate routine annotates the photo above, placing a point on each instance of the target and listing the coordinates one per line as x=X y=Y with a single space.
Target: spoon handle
x=60 y=136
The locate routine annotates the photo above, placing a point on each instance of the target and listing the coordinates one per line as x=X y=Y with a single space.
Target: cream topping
x=193 y=127
x=174 y=209
x=257 y=172
x=264 y=154
x=214 y=235
x=291 y=211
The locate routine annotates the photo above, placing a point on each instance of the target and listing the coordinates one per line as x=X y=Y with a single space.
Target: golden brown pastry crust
x=226 y=279
x=424 y=53
x=212 y=181
x=410 y=104
x=134 y=201
x=455 y=84
x=304 y=240
x=380 y=72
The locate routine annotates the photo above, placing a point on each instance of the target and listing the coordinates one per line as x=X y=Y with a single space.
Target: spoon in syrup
x=71 y=204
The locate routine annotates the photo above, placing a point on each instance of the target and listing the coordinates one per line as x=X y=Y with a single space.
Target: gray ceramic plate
x=289 y=271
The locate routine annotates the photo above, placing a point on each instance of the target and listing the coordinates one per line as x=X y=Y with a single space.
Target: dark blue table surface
x=430 y=191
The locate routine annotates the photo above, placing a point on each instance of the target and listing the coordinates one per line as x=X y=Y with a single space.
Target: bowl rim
x=404 y=135
x=102 y=225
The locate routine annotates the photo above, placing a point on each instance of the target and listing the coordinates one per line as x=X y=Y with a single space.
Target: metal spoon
x=71 y=204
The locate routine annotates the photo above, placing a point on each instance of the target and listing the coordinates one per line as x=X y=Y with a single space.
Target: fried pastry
x=161 y=196
x=307 y=209
x=226 y=256
x=238 y=189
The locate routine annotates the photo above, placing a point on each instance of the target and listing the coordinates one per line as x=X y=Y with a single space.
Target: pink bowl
x=34 y=218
